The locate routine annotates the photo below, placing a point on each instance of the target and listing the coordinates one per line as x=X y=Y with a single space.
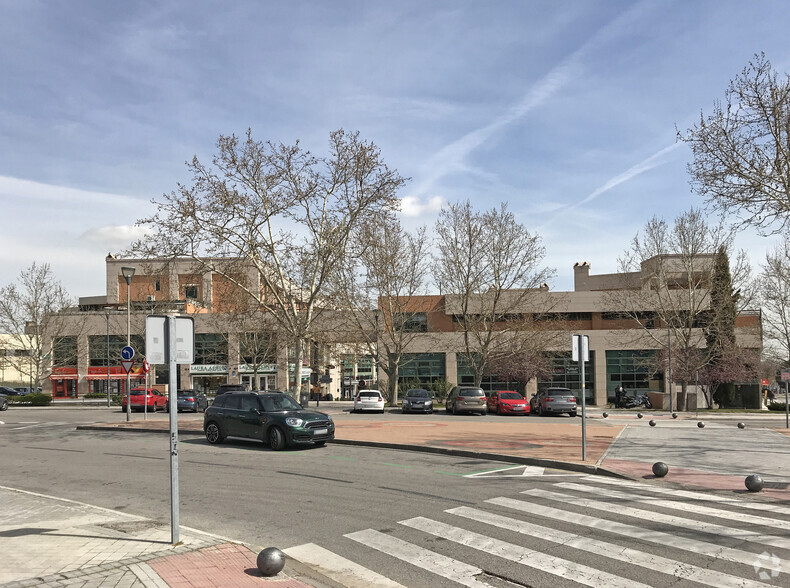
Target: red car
x=507 y=402
x=154 y=399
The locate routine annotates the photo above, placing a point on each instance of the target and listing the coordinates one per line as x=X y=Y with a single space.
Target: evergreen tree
x=720 y=331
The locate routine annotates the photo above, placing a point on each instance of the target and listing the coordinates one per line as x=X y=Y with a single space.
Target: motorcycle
x=637 y=401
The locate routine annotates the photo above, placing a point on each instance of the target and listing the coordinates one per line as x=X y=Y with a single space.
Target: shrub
x=96 y=395
x=778 y=406
x=33 y=399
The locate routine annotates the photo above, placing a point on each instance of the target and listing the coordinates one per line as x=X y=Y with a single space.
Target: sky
x=566 y=110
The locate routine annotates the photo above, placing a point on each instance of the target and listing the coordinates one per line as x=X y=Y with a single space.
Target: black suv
x=230 y=388
x=272 y=417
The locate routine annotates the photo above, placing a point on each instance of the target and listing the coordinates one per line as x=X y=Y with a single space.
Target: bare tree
x=489 y=267
x=667 y=276
x=774 y=283
x=282 y=213
x=29 y=315
x=742 y=150
x=382 y=292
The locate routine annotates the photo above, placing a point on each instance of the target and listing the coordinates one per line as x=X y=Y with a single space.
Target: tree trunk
x=393 y=383
x=297 y=385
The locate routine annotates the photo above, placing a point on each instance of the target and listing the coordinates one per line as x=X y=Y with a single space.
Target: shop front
x=264 y=378
x=64 y=382
x=207 y=378
x=97 y=379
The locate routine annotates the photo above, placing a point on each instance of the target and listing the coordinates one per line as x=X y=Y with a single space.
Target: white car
x=369 y=400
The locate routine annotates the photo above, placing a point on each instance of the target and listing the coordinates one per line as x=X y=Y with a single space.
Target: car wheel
x=4 y=405
x=447 y=408
x=276 y=439
x=572 y=413
x=484 y=413
x=319 y=443
x=540 y=410
x=214 y=433
x=455 y=411
x=498 y=409
x=153 y=408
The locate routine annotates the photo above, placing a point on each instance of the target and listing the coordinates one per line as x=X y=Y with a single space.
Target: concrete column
x=451 y=367
x=600 y=376
x=82 y=364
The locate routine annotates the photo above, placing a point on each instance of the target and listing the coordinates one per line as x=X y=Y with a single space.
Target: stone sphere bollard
x=639 y=415
x=271 y=561
x=605 y=414
x=652 y=423
x=701 y=425
x=674 y=415
x=754 y=483
x=741 y=426
x=660 y=469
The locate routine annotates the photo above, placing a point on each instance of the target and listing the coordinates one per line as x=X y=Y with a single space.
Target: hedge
x=33 y=399
x=778 y=406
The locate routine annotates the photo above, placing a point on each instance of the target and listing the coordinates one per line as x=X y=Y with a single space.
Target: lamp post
x=107 y=310
x=128 y=273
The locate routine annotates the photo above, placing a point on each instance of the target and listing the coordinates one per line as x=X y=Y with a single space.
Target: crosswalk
x=594 y=531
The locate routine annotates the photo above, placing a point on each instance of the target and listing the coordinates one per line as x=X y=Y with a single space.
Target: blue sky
x=566 y=110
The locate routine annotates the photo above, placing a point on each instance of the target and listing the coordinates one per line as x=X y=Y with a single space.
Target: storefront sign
x=216 y=368
x=246 y=368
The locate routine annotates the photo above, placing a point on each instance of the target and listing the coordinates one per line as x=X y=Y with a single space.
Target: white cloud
x=115 y=237
x=413 y=206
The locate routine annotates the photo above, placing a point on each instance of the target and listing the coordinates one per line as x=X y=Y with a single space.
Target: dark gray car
x=192 y=400
x=417 y=400
x=3 y=402
x=553 y=401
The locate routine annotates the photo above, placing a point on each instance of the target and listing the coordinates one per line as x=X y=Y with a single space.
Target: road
x=415 y=519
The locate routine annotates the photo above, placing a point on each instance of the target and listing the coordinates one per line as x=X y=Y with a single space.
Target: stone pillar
x=600 y=377
x=451 y=367
x=83 y=387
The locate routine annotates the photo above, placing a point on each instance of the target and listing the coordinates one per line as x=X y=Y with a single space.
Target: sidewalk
x=48 y=541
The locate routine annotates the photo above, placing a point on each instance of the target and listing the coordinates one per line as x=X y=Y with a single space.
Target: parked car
x=553 y=401
x=230 y=388
x=28 y=390
x=3 y=402
x=154 y=400
x=417 y=400
x=368 y=400
x=6 y=391
x=272 y=417
x=507 y=402
x=191 y=400
x=466 y=399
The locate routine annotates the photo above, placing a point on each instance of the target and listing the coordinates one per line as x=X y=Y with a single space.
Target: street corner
x=226 y=564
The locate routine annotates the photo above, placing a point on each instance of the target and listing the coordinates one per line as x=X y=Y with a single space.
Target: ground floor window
x=566 y=374
x=423 y=367
x=634 y=370
x=207 y=384
x=466 y=377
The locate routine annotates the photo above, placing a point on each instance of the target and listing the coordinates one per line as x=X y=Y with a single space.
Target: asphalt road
x=387 y=510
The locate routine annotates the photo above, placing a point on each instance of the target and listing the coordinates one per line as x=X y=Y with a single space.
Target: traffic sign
x=785 y=376
x=146 y=366
x=127 y=352
x=127 y=365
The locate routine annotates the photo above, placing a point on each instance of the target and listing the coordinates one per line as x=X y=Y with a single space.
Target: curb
x=516 y=459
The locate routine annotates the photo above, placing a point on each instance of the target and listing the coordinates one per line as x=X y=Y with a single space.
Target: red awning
x=115 y=376
x=64 y=377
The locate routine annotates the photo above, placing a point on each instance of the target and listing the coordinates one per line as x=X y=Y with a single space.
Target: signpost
x=127 y=355
x=170 y=340
x=581 y=353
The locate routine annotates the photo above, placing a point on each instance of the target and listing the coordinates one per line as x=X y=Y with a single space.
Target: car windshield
x=277 y=403
x=417 y=394
x=369 y=394
x=510 y=396
x=471 y=392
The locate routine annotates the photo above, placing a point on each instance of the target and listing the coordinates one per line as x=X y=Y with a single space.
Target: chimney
x=581 y=276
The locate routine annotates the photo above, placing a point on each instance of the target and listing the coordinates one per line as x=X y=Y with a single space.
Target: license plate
x=518 y=408
x=320 y=432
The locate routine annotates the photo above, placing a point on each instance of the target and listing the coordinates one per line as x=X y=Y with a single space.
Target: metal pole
x=787 y=405
x=669 y=367
x=128 y=343
x=170 y=325
x=584 y=399
x=107 y=316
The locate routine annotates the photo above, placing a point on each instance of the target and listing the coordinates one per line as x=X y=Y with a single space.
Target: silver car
x=553 y=401
x=368 y=400
x=466 y=399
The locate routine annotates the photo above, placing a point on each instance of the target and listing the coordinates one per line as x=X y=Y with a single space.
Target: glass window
x=97 y=349
x=233 y=401
x=249 y=402
x=566 y=374
x=258 y=348
x=416 y=322
x=423 y=367
x=632 y=369
x=64 y=351
x=211 y=348
x=191 y=291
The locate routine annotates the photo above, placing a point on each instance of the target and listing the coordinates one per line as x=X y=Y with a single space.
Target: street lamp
x=128 y=273
x=107 y=310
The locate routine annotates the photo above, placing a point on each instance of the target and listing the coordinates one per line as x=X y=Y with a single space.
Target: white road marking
x=429 y=561
x=528 y=471
x=534 y=559
x=36 y=425
x=682 y=506
x=740 y=502
x=610 y=550
x=340 y=569
x=645 y=534
x=680 y=522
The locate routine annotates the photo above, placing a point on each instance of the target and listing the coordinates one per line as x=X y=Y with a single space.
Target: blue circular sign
x=127 y=352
